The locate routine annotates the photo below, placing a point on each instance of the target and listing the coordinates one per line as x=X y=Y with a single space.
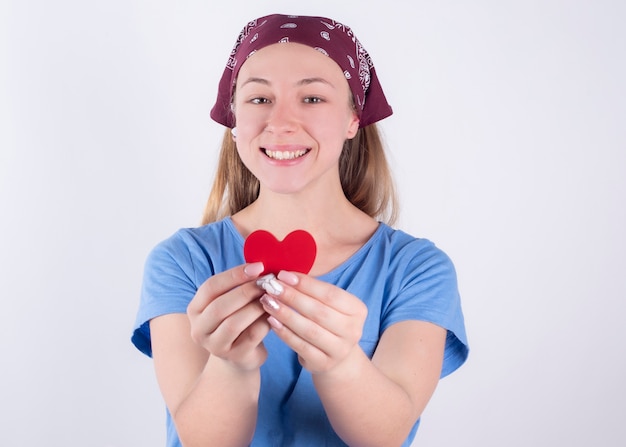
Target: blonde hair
x=363 y=169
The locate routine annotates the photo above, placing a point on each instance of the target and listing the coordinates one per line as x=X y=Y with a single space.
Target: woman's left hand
x=322 y=323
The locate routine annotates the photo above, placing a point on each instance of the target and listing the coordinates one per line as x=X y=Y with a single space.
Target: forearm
x=221 y=409
x=364 y=406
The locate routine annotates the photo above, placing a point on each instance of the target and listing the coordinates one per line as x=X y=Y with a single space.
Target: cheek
x=342 y=126
x=249 y=122
x=245 y=155
x=246 y=129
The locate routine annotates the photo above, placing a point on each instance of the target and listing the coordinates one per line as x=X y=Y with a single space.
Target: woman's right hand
x=227 y=318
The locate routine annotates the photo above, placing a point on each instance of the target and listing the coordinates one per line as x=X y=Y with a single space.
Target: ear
x=353 y=127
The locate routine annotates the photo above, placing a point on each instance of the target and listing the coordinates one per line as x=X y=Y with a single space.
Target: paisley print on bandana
x=331 y=38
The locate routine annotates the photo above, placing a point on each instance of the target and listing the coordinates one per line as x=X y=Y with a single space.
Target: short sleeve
x=168 y=286
x=426 y=289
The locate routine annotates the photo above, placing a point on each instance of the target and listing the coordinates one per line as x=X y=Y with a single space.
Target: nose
x=282 y=118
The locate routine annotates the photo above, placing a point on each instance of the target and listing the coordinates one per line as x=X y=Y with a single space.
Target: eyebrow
x=301 y=82
x=307 y=81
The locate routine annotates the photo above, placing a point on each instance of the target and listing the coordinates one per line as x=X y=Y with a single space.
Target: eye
x=259 y=100
x=313 y=100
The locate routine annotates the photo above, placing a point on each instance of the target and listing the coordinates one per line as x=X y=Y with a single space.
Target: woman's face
x=293 y=113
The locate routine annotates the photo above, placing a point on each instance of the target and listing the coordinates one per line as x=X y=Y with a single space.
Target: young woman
x=348 y=354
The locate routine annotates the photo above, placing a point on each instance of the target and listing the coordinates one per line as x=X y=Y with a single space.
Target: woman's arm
x=207 y=362
x=369 y=403
x=377 y=402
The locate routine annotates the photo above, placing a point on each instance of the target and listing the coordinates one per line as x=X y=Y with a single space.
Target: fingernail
x=288 y=277
x=274 y=322
x=272 y=286
x=252 y=270
x=260 y=281
x=269 y=284
x=270 y=302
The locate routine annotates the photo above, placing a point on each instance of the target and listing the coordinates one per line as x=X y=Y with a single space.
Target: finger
x=248 y=350
x=296 y=329
x=322 y=291
x=310 y=355
x=347 y=321
x=225 y=333
x=223 y=282
x=234 y=310
x=311 y=309
x=254 y=334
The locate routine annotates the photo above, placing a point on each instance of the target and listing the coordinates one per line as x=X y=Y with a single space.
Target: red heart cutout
x=295 y=253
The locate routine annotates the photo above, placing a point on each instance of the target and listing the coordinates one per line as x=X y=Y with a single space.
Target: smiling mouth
x=285 y=155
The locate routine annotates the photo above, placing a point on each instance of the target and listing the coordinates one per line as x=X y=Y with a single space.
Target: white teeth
x=285 y=155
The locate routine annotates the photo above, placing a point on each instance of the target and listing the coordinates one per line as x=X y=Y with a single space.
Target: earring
x=233 y=131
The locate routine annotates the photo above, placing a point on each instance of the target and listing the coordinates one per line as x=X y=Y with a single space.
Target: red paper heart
x=295 y=253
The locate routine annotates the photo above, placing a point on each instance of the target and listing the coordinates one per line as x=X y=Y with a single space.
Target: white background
x=508 y=142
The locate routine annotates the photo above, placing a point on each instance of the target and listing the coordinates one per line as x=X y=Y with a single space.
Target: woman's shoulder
x=401 y=242
x=196 y=245
x=394 y=250
x=212 y=234
x=409 y=256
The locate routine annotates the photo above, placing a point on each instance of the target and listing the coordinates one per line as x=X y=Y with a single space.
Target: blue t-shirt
x=397 y=276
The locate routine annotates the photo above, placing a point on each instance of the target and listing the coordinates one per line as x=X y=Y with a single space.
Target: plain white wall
x=509 y=145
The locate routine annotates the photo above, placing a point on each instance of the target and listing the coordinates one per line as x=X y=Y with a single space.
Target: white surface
x=509 y=145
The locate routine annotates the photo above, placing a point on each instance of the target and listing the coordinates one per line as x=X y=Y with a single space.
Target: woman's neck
x=326 y=217
x=338 y=227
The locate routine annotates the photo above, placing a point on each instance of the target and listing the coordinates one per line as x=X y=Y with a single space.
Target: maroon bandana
x=331 y=38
